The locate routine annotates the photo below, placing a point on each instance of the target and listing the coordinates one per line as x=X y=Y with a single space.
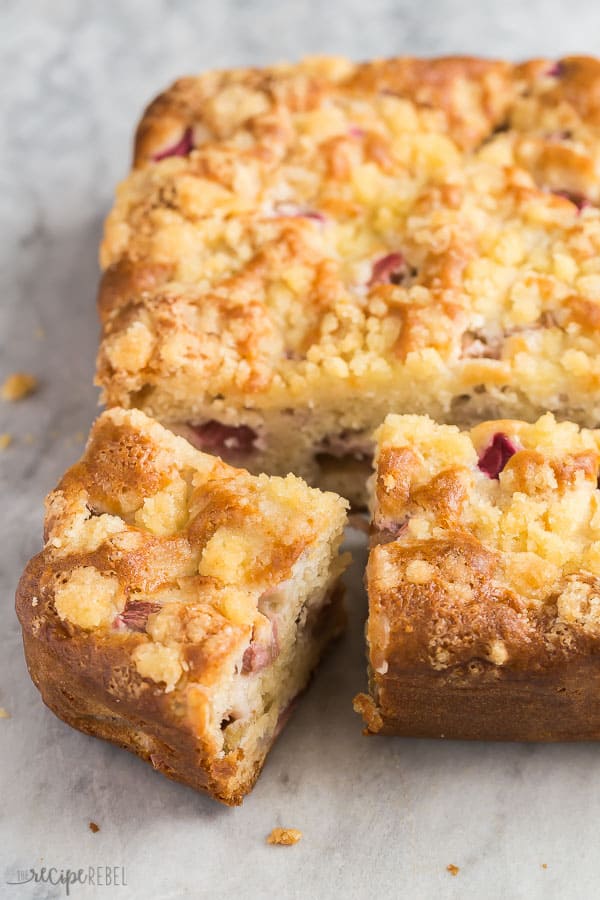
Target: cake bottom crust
x=558 y=705
x=82 y=704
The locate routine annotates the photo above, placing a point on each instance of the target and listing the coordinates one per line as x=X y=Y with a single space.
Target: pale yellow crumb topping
x=148 y=538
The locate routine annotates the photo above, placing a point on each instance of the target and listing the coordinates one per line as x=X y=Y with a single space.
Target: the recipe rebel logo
x=91 y=876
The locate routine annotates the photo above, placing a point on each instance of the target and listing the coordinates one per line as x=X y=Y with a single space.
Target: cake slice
x=484 y=582
x=303 y=249
x=180 y=605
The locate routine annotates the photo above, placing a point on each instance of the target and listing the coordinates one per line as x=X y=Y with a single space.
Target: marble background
x=380 y=817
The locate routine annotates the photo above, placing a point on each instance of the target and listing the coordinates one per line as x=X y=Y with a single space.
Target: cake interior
x=256 y=692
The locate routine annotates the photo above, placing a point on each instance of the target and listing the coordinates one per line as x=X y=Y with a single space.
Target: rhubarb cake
x=180 y=605
x=302 y=249
x=484 y=581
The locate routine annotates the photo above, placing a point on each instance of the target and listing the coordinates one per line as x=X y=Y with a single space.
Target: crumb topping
x=154 y=543
x=496 y=566
x=435 y=221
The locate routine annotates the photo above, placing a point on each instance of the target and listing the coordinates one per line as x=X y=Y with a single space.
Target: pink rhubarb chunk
x=214 y=437
x=578 y=200
x=390 y=269
x=259 y=654
x=496 y=455
x=291 y=210
x=135 y=615
x=183 y=146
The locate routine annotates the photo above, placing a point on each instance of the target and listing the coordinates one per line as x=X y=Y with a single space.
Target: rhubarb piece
x=297 y=211
x=390 y=269
x=181 y=148
x=496 y=455
x=578 y=200
x=224 y=440
x=484 y=607
x=180 y=605
x=261 y=652
x=135 y=615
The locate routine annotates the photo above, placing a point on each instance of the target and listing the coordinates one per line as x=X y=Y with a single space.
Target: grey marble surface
x=381 y=818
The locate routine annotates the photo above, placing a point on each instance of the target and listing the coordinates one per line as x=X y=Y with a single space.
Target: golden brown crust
x=484 y=581
x=148 y=593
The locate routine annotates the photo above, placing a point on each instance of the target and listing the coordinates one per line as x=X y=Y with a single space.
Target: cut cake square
x=180 y=605
x=484 y=581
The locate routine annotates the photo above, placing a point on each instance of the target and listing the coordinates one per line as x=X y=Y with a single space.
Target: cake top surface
x=341 y=221
x=156 y=545
x=489 y=538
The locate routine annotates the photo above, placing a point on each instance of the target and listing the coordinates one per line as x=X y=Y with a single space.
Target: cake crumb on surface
x=454 y=870
x=284 y=836
x=4 y=714
x=94 y=828
x=5 y=441
x=18 y=385
x=544 y=865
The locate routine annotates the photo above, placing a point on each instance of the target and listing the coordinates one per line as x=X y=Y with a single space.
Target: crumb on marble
x=454 y=870
x=4 y=713
x=93 y=827
x=19 y=385
x=5 y=441
x=284 y=836
x=544 y=865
